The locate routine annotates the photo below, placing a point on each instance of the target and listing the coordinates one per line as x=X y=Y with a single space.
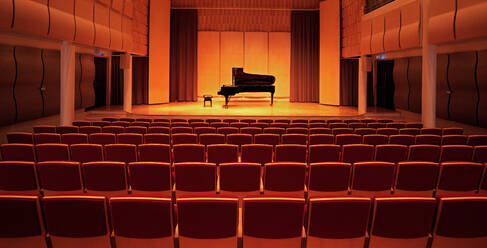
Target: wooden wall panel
x=31 y=17
x=410 y=25
x=61 y=13
x=471 y=19
x=366 y=35
x=115 y=30
x=86 y=85
x=51 y=82
x=127 y=42
x=102 y=22
x=28 y=84
x=6 y=14
x=85 y=29
x=209 y=82
x=377 y=39
x=256 y=50
x=482 y=84
x=401 y=83
x=128 y=9
x=280 y=61
x=232 y=54
x=441 y=21
x=7 y=80
x=392 y=27
x=464 y=96
x=442 y=87
x=118 y=5
x=415 y=86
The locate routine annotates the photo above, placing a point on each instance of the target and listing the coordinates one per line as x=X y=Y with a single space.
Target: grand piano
x=246 y=82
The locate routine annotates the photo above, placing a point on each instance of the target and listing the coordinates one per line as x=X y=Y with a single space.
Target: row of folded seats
x=243 y=179
x=354 y=222
x=255 y=153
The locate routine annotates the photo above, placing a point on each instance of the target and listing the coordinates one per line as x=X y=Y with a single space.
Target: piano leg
x=272 y=98
x=226 y=102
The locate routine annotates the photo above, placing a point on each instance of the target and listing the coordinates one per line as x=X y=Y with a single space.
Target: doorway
x=385 y=84
x=100 y=83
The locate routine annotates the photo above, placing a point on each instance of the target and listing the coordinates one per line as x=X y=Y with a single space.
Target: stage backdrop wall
x=257 y=52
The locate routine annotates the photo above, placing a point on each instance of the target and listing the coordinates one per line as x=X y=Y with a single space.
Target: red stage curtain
x=184 y=46
x=305 y=38
x=140 y=80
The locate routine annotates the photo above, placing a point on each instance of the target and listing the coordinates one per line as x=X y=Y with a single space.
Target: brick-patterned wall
x=350 y=38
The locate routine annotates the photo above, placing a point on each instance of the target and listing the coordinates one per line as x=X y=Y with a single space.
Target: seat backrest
x=74 y=138
x=453 y=139
x=291 y=153
x=260 y=124
x=345 y=139
x=329 y=177
x=432 y=131
x=121 y=152
x=20 y=137
x=319 y=130
x=104 y=177
x=136 y=129
x=204 y=130
x=184 y=138
x=257 y=153
x=157 y=138
x=429 y=153
x=238 y=124
x=357 y=152
x=86 y=152
x=319 y=139
x=81 y=123
x=67 y=129
x=375 y=139
x=334 y=125
x=373 y=177
x=459 y=177
x=18 y=176
x=416 y=177
x=397 y=125
x=90 y=129
x=140 y=124
x=60 y=177
x=226 y=130
x=43 y=138
x=410 y=131
x=219 y=124
x=113 y=129
x=222 y=153
x=388 y=131
x=337 y=131
x=267 y=138
x=154 y=153
x=150 y=177
x=101 y=123
x=274 y=130
x=180 y=130
x=297 y=139
x=427 y=139
x=251 y=130
x=18 y=152
x=239 y=139
x=418 y=125
x=44 y=129
x=365 y=131
x=280 y=125
x=158 y=129
x=212 y=139
x=477 y=140
x=456 y=153
x=189 y=153
x=195 y=177
x=240 y=177
x=102 y=138
x=391 y=153
x=356 y=125
x=130 y=138
x=284 y=177
x=297 y=130
x=324 y=153
x=402 y=139
x=480 y=154
x=52 y=152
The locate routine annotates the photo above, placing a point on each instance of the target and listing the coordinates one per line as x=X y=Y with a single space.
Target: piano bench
x=207 y=98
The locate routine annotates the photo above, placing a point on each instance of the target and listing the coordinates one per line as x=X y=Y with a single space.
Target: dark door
x=100 y=81
x=385 y=84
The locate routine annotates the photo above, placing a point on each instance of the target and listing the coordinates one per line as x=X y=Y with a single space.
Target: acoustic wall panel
x=28 y=83
x=442 y=87
x=102 y=24
x=410 y=25
x=62 y=25
x=127 y=42
x=441 y=21
x=392 y=27
x=128 y=9
x=415 y=86
x=209 y=82
x=280 y=61
x=401 y=83
x=104 y=2
x=86 y=85
x=117 y=5
x=256 y=54
x=6 y=14
x=464 y=95
x=7 y=81
x=51 y=82
x=31 y=17
x=377 y=40
x=482 y=84
x=471 y=19
x=115 y=30
x=77 y=81
x=85 y=28
x=232 y=54
x=366 y=34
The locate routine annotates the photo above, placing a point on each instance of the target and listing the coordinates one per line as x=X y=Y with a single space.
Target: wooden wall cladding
x=410 y=25
x=102 y=23
x=51 y=82
x=62 y=24
x=126 y=33
x=77 y=81
x=442 y=87
x=7 y=81
x=415 y=87
x=377 y=39
x=392 y=27
x=6 y=14
x=117 y=5
x=28 y=83
x=482 y=86
x=441 y=21
x=128 y=10
x=464 y=96
x=471 y=19
x=366 y=35
x=401 y=83
x=115 y=30
x=85 y=28
x=86 y=86
x=31 y=17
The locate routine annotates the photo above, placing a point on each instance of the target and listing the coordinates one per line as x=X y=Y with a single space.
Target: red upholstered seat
x=136 y=129
x=365 y=131
x=74 y=138
x=388 y=131
x=297 y=130
x=204 y=130
x=431 y=131
x=219 y=124
x=319 y=130
x=239 y=139
x=284 y=178
x=477 y=140
x=160 y=130
x=184 y=138
x=337 y=131
x=150 y=178
x=113 y=129
x=346 y=139
x=52 y=152
x=18 y=176
x=286 y=121
x=102 y=138
x=195 y=125
x=257 y=153
x=452 y=131
x=222 y=153
x=427 y=139
x=81 y=123
x=157 y=138
x=372 y=178
x=334 y=125
x=127 y=119
x=410 y=131
x=43 y=138
x=317 y=125
x=298 y=139
x=376 y=125
x=274 y=130
x=178 y=130
x=402 y=139
x=195 y=120
x=160 y=124
x=259 y=124
x=121 y=152
x=375 y=139
x=357 y=153
x=189 y=153
x=429 y=153
x=20 y=137
x=105 y=178
x=414 y=125
x=298 y=125
x=211 y=139
x=86 y=152
x=397 y=125
x=60 y=177
x=139 y=124
x=251 y=130
x=230 y=120
x=456 y=153
x=453 y=139
x=356 y=125
x=416 y=178
x=154 y=153
x=329 y=178
x=90 y=129
x=238 y=124
x=480 y=154
x=280 y=124
x=110 y=119
x=268 y=139
x=291 y=153
x=227 y=130
x=391 y=153
x=240 y=179
x=300 y=121
x=324 y=153
x=101 y=123
x=120 y=123
x=149 y=120
x=44 y=129
x=18 y=152
x=191 y=178
x=248 y=120
x=130 y=138
x=459 y=177
x=319 y=139
x=67 y=129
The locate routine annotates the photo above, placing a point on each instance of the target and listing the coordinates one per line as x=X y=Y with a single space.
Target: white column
x=428 y=98
x=126 y=63
x=362 y=85
x=66 y=115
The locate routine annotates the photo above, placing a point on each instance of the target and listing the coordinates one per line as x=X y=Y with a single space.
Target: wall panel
x=464 y=96
x=366 y=35
x=280 y=61
x=86 y=84
x=127 y=42
x=51 y=82
x=115 y=30
x=29 y=80
x=482 y=84
x=256 y=49
x=377 y=39
x=410 y=25
x=415 y=86
x=128 y=9
x=441 y=21
x=232 y=54
x=392 y=27
x=61 y=13
x=7 y=80
x=85 y=29
x=118 y=5
x=6 y=14
x=102 y=24
x=471 y=19
x=401 y=83
x=442 y=87
x=209 y=63
x=31 y=17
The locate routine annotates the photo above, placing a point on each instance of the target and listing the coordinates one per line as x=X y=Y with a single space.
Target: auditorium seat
x=298 y=125
x=402 y=222
x=391 y=153
x=157 y=138
x=480 y=154
x=240 y=179
x=184 y=138
x=154 y=153
x=44 y=138
x=130 y=138
x=219 y=124
x=346 y=139
x=86 y=152
x=456 y=153
x=90 y=129
x=81 y=123
x=52 y=152
x=251 y=130
x=159 y=130
x=397 y=125
x=230 y=120
x=179 y=130
x=239 y=139
x=142 y=221
x=113 y=129
x=149 y=120
x=317 y=121
x=333 y=121
x=67 y=129
x=60 y=177
x=195 y=120
x=375 y=139
x=376 y=125
x=120 y=152
x=410 y=131
x=317 y=125
x=189 y=153
x=428 y=139
x=267 y=139
x=402 y=139
x=338 y=222
x=324 y=153
x=179 y=120
x=207 y=222
x=274 y=130
x=319 y=130
x=416 y=178
x=320 y=139
x=110 y=119
x=284 y=178
x=431 y=131
x=418 y=125
x=212 y=120
x=248 y=120
x=257 y=153
x=297 y=139
x=44 y=129
x=18 y=152
x=161 y=120
x=204 y=130
x=429 y=153
x=238 y=124
x=136 y=129
x=160 y=124
x=127 y=119
x=138 y=125
x=372 y=178
x=273 y=222
x=18 y=177
x=365 y=131
x=259 y=124
x=356 y=125
x=337 y=131
x=120 y=123
x=453 y=139
x=150 y=178
x=77 y=221
x=279 y=124
x=74 y=138
x=388 y=131
x=329 y=178
x=357 y=153
x=222 y=153
x=194 y=178
x=227 y=130
x=22 y=222
x=459 y=177
x=334 y=125
x=104 y=178
x=460 y=222
x=211 y=139
x=286 y=121
x=297 y=130
x=452 y=131
x=20 y=137
x=477 y=140
x=291 y=153
x=101 y=123
x=300 y=121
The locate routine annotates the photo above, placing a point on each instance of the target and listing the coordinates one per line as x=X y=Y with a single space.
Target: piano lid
x=239 y=77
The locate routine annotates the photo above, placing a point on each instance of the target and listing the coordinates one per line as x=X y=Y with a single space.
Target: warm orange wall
x=208 y=63
x=231 y=54
x=280 y=61
x=256 y=52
